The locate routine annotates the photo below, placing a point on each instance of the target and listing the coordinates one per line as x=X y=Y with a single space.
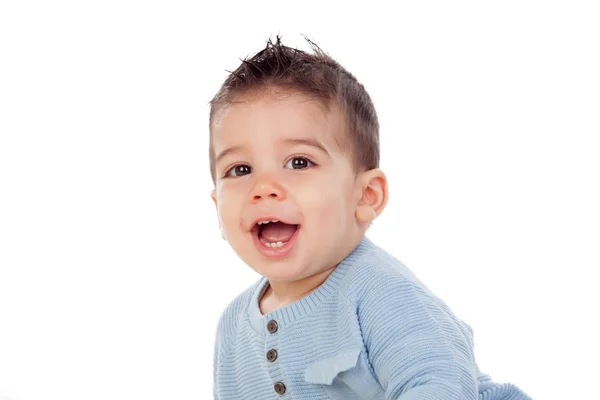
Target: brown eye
x=239 y=170
x=298 y=163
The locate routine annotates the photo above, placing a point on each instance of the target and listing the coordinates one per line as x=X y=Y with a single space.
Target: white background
x=112 y=269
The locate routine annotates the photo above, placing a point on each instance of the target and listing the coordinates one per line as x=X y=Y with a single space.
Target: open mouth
x=274 y=233
x=274 y=238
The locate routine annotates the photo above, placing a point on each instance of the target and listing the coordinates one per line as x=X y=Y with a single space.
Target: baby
x=294 y=156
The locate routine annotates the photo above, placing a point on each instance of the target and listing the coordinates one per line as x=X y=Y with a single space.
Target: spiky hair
x=317 y=75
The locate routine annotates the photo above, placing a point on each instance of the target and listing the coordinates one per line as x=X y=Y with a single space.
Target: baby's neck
x=266 y=303
x=280 y=294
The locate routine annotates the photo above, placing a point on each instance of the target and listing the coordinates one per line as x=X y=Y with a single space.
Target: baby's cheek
x=327 y=207
x=227 y=215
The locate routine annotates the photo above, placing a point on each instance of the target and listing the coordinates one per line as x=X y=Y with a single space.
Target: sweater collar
x=289 y=313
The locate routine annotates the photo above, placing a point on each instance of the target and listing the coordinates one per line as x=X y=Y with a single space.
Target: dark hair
x=317 y=75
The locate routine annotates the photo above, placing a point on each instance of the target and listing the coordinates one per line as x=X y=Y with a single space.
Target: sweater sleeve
x=215 y=367
x=415 y=344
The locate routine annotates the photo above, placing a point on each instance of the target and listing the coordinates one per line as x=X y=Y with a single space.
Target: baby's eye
x=299 y=163
x=238 y=170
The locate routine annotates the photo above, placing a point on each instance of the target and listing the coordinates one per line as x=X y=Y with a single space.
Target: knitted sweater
x=372 y=330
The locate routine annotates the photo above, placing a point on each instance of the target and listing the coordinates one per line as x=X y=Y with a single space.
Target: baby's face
x=277 y=159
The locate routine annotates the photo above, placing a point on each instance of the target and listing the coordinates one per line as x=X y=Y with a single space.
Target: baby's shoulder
x=379 y=268
x=382 y=282
x=234 y=312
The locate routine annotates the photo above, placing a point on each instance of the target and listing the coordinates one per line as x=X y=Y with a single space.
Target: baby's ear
x=373 y=195
x=213 y=195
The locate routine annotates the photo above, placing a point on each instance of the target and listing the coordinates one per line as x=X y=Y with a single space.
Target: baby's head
x=294 y=138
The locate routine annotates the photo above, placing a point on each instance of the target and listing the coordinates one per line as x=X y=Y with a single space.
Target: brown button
x=272 y=326
x=271 y=355
x=279 y=388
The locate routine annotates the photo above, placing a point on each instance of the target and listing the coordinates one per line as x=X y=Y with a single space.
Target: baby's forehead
x=287 y=115
x=277 y=99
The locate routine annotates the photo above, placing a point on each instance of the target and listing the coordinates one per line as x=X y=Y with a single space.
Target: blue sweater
x=372 y=330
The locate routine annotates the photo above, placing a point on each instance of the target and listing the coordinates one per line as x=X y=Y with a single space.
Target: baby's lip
x=271 y=218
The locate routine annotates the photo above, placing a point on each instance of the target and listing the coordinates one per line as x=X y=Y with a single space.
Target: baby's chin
x=280 y=271
x=292 y=267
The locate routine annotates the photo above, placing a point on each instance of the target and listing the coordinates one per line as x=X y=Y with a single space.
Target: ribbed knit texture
x=372 y=330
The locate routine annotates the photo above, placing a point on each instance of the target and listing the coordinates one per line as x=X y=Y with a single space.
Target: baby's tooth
x=274 y=244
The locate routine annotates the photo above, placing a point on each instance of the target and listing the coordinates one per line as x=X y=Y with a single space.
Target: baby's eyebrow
x=227 y=151
x=309 y=142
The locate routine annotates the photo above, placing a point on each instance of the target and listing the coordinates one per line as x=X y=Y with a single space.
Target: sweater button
x=279 y=388
x=271 y=355
x=272 y=326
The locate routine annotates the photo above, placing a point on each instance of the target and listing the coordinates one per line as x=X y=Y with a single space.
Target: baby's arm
x=216 y=351
x=414 y=343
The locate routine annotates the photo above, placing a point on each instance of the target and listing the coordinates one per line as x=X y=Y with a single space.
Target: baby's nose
x=267 y=189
